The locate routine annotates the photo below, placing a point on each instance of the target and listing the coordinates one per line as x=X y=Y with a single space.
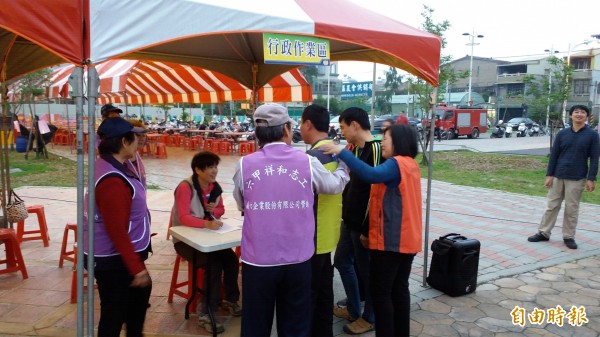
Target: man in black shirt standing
x=352 y=248
x=568 y=175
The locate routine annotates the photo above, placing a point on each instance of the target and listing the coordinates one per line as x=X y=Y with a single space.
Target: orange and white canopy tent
x=149 y=82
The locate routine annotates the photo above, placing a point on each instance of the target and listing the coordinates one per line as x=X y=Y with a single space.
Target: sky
x=511 y=28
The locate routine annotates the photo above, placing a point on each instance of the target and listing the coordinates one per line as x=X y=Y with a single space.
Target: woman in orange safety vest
x=395 y=225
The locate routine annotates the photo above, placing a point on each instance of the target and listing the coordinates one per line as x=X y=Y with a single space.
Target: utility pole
x=550 y=52
x=472 y=43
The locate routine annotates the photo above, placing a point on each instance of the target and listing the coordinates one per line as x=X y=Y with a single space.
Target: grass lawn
x=54 y=171
x=517 y=174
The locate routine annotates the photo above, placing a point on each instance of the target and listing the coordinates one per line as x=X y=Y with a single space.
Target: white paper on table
x=226 y=228
x=44 y=129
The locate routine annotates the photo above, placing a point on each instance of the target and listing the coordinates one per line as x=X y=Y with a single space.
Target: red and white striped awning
x=149 y=82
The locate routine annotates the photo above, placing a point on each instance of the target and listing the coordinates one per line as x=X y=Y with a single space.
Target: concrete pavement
x=513 y=273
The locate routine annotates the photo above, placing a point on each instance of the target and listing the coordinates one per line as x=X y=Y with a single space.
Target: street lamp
x=564 y=112
x=550 y=52
x=472 y=43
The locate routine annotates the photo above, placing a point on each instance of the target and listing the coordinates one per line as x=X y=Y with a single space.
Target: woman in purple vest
x=275 y=188
x=121 y=232
x=198 y=203
x=136 y=164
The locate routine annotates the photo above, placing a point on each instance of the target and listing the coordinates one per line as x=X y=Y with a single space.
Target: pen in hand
x=213 y=224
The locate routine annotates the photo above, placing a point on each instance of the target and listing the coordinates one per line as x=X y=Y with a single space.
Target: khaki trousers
x=570 y=191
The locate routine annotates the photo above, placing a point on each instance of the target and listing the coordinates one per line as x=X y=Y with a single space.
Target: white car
x=335 y=121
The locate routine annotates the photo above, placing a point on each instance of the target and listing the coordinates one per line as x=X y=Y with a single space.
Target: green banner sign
x=294 y=49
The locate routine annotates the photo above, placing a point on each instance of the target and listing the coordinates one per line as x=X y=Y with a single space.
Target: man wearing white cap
x=275 y=188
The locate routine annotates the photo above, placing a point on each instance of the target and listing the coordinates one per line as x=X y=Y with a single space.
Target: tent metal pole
x=429 y=175
x=93 y=82
x=4 y=162
x=76 y=83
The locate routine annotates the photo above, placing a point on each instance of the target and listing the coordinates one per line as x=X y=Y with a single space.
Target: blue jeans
x=348 y=250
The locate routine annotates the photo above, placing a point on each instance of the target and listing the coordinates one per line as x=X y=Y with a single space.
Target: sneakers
x=358 y=327
x=343 y=313
x=233 y=308
x=204 y=321
x=537 y=237
x=570 y=243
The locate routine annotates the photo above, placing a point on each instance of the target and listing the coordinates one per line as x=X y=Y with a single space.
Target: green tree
x=360 y=102
x=310 y=73
x=185 y=116
x=423 y=90
x=383 y=105
x=31 y=86
x=165 y=108
x=335 y=105
x=541 y=94
x=393 y=80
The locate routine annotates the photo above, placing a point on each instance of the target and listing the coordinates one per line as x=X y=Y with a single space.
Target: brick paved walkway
x=512 y=272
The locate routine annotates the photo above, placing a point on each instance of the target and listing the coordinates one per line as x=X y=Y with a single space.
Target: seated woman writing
x=198 y=203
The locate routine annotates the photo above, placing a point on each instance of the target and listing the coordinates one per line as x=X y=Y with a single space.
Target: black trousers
x=322 y=295
x=222 y=263
x=120 y=304
x=286 y=287
x=391 y=296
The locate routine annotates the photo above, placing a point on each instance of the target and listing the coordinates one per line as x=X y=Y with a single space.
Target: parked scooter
x=499 y=130
x=334 y=135
x=534 y=131
x=522 y=130
x=507 y=131
x=296 y=135
x=531 y=130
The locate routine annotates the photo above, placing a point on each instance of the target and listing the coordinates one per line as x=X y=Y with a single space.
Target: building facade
x=328 y=82
x=502 y=83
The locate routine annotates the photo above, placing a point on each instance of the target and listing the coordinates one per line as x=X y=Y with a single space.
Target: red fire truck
x=460 y=121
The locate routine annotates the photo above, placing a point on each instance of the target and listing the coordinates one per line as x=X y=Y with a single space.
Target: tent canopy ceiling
x=230 y=42
x=223 y=35
x=38 y=34
x=149 y=82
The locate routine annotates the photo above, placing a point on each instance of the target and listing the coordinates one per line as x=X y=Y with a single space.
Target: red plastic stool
x=146 y=150
x=14 y=259
x=64 y=254
x=190 y=143
x=175 y=285
x=238 y=253
x=184 y=141
x=243 y=148
x=171 y=140
x=216 y=148
x=170 y=225
x=161 y=151
x=43 y=227
x=209 y=144
x=175 y=138
x=225 y=147
x=74 y=278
